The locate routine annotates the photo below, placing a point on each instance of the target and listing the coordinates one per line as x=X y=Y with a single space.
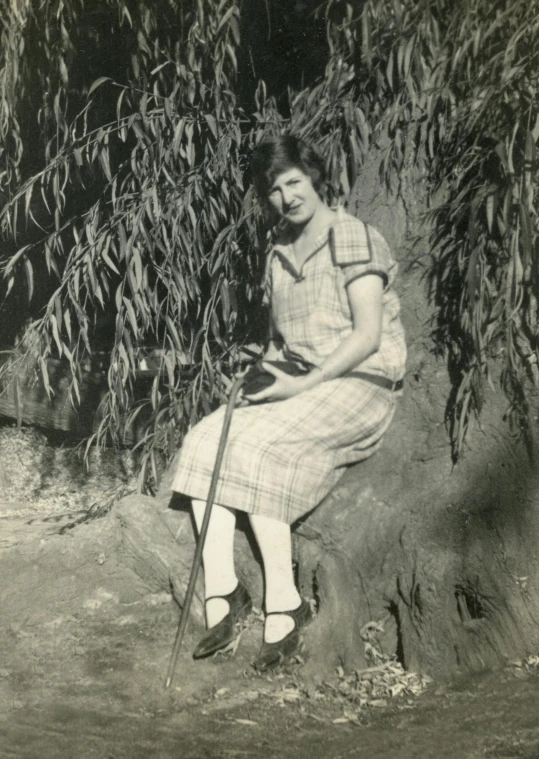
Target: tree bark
x=445 y=555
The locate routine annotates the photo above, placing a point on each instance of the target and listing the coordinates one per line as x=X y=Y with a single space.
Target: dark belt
x=380 y=380
x=377 y=379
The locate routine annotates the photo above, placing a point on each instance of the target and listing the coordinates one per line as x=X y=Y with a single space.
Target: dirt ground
x=84 y=650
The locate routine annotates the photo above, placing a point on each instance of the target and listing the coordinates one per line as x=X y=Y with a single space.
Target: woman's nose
x=287 y=196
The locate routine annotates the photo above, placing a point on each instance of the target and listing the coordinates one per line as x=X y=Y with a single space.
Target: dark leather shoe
x=224 y=632
x=274 y=654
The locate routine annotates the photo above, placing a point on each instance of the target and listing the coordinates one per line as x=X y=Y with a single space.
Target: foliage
x=129 y=207
x=457 y=84
x=139 y=214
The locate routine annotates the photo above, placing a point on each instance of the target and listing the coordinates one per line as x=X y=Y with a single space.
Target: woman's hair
x=275 y=155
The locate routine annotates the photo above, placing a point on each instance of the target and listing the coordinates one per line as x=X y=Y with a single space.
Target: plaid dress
x=282 y=458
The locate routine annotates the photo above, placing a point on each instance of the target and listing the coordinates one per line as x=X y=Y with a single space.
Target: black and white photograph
x=269 y=379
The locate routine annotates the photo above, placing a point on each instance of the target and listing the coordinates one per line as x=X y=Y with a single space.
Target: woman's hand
x=285 y=385
x=365 y=298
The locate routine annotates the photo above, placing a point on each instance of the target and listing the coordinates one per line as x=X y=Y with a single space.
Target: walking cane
x=197 y=559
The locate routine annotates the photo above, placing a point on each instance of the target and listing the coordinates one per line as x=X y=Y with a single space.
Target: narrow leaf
x=98 y=83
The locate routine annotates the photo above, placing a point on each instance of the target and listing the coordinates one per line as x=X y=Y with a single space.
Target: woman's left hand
x=285 y=385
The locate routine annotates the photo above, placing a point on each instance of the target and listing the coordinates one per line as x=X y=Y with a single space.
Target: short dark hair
x=277 y=154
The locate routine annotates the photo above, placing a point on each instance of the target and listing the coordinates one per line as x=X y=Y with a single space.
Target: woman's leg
x=218 y=558
x=275 y=542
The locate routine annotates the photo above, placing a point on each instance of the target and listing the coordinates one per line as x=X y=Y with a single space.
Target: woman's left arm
x=365 y=298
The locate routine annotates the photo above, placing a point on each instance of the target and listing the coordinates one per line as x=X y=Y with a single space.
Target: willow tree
x=139 y=216
x=126 y=129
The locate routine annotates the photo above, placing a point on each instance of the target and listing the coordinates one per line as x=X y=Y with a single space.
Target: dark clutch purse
x=258 y=379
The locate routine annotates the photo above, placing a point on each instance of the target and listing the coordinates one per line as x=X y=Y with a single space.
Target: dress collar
x=285 y=250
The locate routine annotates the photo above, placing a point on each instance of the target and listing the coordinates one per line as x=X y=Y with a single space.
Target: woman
x=334 y=313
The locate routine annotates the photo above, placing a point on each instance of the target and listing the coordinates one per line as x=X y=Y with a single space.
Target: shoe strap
x=288 y=612
x=223 y=598
x=213 y=598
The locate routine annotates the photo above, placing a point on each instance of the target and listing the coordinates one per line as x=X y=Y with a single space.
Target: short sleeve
x=360 y=249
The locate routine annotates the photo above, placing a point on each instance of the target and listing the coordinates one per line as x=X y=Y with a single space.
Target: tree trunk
x=445 y=555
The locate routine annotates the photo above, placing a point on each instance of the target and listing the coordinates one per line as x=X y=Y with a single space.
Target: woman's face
x=293 y=197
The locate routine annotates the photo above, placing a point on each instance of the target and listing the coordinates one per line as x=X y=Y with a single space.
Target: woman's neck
x=303 y=238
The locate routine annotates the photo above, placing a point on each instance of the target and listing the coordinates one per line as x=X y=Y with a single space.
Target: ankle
x=216 y=606
x=216 y=610
x=220 y=586
x=282 y=601
x=277 y=627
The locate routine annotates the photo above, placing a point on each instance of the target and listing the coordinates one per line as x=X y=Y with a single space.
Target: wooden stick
x=197 y=559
